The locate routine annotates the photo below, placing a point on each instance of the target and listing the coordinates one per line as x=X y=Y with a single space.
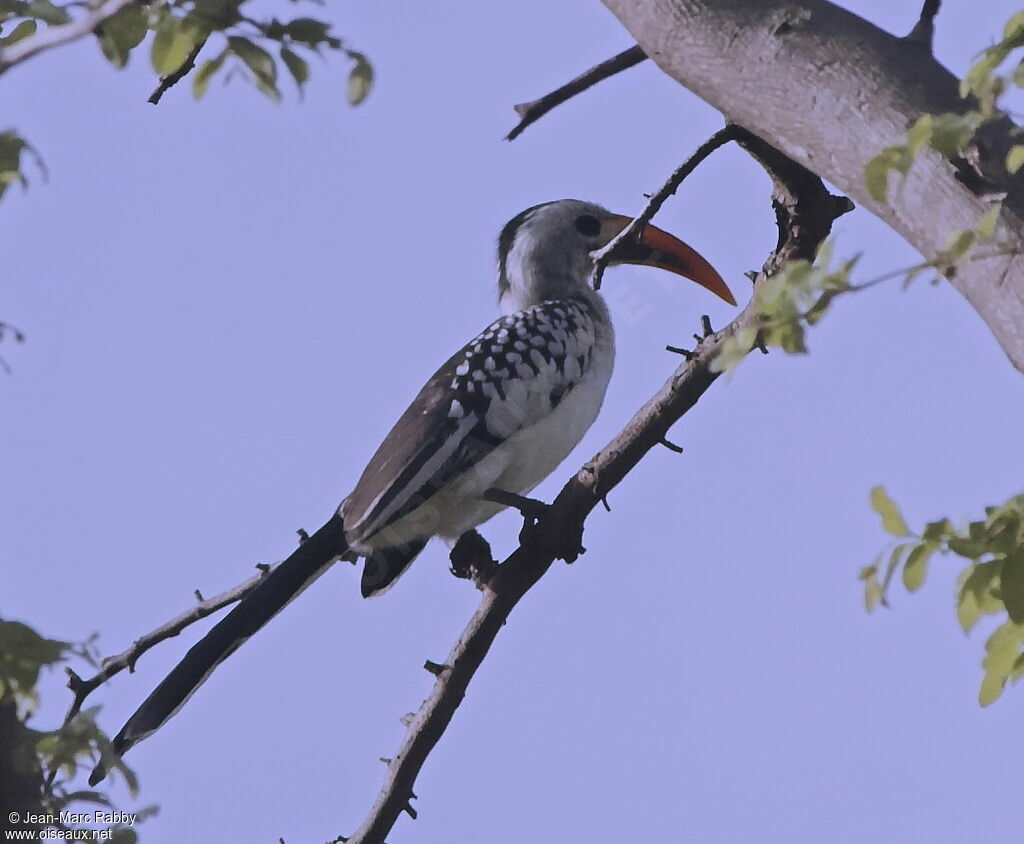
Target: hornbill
x=501 y=413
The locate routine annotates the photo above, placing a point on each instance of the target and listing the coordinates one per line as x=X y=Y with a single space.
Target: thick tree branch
x=55 y=36
x=804 y=207
x=533 y=111
x=832 y=90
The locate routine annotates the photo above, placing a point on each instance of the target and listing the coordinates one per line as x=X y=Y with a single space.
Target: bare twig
x=603 y=256
x=923 y=32
x=172 y=79
x=533 y=111
x=566 y=515
x=82 y=688
x=54 y=36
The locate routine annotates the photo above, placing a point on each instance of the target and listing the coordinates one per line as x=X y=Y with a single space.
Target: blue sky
x=228 y=303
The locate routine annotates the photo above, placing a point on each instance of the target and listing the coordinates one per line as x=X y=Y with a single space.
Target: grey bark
x=832 y=90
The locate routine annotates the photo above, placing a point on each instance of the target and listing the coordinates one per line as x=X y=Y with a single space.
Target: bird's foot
x=566 y=544
x=471 y=559
x=531 y=508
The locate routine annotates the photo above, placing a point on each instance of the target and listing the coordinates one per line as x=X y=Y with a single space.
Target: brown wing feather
x=413 y=438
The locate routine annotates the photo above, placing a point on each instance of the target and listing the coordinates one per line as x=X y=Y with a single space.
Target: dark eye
x=588 y=225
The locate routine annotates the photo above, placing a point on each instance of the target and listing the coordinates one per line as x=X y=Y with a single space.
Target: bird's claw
x=566 y=546
x=471 y=559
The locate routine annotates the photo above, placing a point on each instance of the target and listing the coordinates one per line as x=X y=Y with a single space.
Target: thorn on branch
x=409 y=810
x=923 y=33
x=607 y=506
x=841 y=205
x=385 y=760
x=678 y=350
x=303 y=535
x=671 y=446
x=199 y=596
x=436 y=668
x=705 y=324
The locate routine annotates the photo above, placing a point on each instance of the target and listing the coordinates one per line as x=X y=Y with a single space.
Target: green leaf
x=972 y=549
x=952 y=132
x=876 y=178
x=311 y=32
x=47 y=12
x=268 y=89
x=920 y=133
x=1002 y=651
x=977 y=596
x=297 y=66
x=205 y=73
x=1011 y=586
x=987 y=224
x=23 y=653
x=259 y=61
x=360 y=80
x=22 y=30
x=11 y=147
x=172 y=43
x=937 y=531
x=873 y=592
x=121 y=33
x=1013 y=32
x=1015 y=158
x=916 y=568
x=892 y=519
x=895 y=558
x=734 y=349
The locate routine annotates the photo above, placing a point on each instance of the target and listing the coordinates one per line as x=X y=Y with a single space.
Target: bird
x=500 y=414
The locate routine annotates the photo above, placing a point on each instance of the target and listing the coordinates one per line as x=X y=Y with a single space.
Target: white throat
x=538 y=271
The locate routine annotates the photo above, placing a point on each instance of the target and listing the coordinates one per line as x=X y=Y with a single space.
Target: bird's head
x=545 y=251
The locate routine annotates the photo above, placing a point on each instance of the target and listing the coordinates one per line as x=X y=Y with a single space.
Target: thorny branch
x=635 y=229
x=82 y=688
x=533 y=111
x=805 y=212
x=55 y=36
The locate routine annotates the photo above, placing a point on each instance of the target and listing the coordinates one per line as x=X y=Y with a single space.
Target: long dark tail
x=284 y=583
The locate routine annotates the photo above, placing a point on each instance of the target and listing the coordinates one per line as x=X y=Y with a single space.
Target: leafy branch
x=960 y=136
x=259 y=50
x=992 y=584
x=37 y=767
x=801 y=293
